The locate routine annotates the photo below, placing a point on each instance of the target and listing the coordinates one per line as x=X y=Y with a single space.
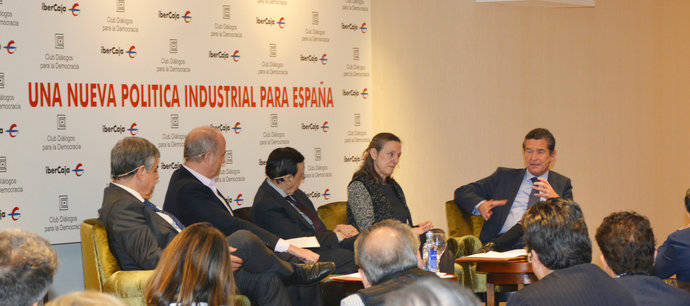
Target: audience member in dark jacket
x=626 y=241
x=560 y=252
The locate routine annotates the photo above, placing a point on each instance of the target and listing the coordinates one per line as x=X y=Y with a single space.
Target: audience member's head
x=432 y=291
x=134 y=163
x=385 y=248
x=195 y=267
x=204 y=150
x=687 y=201
x=27 y=266
x=285 y=167
x=556 y=235
x=626 y=241
x=86 y=298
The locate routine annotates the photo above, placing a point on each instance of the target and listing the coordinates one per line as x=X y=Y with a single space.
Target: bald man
x=388 y=256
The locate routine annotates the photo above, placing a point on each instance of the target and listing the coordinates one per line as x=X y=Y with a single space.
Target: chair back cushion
x=333 y=214
x=98 y=261
x=460 y=223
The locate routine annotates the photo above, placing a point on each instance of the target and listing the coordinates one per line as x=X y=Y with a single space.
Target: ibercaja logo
x=171 y=15
x=120 y=129
x=61 y=8
x=10 y=47
x=239 y=200
x=13 y=130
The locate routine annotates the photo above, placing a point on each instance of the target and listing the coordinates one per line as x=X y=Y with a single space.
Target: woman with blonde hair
x=195 y=269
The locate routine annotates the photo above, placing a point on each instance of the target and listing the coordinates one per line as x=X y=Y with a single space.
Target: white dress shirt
x=281 y=245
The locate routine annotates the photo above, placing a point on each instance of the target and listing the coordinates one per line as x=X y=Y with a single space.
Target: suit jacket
x=503 y=185
x=191 y=202
x=137 y=235
x=584 y=284
x=274 y=213
x=673 y=256
x=651 y=290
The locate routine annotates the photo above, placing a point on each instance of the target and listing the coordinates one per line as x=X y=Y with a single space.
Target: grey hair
x=130 y=153
x=200 y=141
x=27 y=266
x=385 y=248
x=432 y=291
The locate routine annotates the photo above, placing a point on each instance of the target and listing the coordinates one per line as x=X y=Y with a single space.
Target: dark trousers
x=260 y=277
x=344 y=259
x=510 y=240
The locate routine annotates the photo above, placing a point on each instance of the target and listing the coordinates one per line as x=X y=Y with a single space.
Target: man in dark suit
x=138 y=231
x=560 y=253
x=285 y=210
x=627 y=243
x=503 y=197
x=193 y=197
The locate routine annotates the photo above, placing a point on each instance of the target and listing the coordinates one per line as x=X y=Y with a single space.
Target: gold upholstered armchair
x=101 y=269
x=102 y=272
x=333 y=214
x=464 y=229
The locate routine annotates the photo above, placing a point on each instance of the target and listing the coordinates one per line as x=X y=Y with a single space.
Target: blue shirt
x=519 y=204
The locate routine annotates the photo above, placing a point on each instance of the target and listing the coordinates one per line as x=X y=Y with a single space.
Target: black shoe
x=306 y=274
x=489 y=246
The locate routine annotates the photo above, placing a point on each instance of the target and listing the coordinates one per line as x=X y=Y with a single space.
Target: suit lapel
x=553 y=181
x=278 y=198
x=207 y=189
x=515 y=180
x=151 y=215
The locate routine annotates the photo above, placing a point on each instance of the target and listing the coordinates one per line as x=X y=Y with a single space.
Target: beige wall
x=461 y=83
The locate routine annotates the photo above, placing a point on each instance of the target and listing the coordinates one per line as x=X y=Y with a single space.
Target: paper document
x=305 y=242
x=507 y=254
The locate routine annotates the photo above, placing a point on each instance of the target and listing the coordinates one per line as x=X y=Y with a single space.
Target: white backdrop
x=77 y=76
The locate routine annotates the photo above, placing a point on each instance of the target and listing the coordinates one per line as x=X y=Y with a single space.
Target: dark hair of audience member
x=627 y=242
x=432 y=291
x=556 y=231
x=195 y=267
x=27 y=266
x=282 y=162
x=541 y=133
x=687 y=200
x=367 y=167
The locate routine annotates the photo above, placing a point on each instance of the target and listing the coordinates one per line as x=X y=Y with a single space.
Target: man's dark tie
x=155 y=209
x=315 y=221
x=533 y=199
